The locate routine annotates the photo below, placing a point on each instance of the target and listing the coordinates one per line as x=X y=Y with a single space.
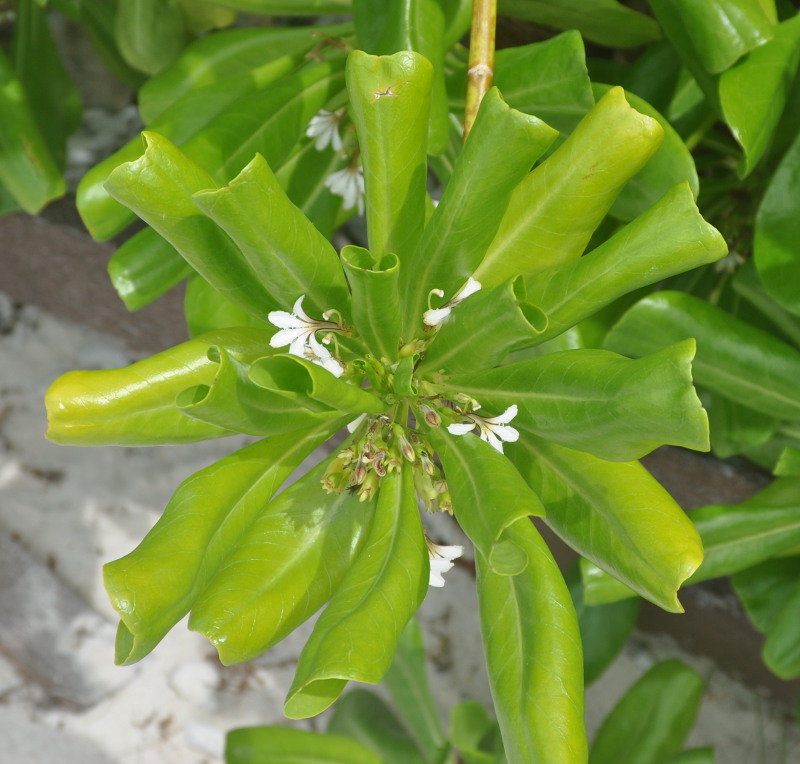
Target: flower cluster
x=380 y=445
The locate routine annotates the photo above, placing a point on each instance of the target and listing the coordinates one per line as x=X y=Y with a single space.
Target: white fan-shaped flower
x=297 y=330
x=494 y=429
x=349 y=184
x=324 y=126
x=441 y=558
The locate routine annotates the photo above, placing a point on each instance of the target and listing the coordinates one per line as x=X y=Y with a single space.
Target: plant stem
x=481 y=58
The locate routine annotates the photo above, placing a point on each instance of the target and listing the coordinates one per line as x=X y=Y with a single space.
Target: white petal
x=435 y=316
x=469 y=288
x=298 y=308
x=448 y=552
x=507 y=433
x=336 y=141
x=320 y=351
x=435 y=578
x=323 y=139
x=283 y=320
x=287 y=337
x=460 y=428
x=505 y=417
x=298 y=346
x=332 y=365
x=357 y=421
x=492 y=440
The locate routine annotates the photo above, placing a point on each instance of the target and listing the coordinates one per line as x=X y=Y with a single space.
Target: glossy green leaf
x=303 y=176
x=597 y=401
x=616 y=515
x=52 y=95
x=489 y=498
x=356 y=635
x=735 y=428
x=479 y=334
x=206 y=310
x=284 y=250
x=100 y=212
x=777 y=230
x=770 y=593
x=601 y=588
x=654 y=76
x=285 y=745
x=135 y=405
x=287 y=564
x=671 y=237
x=736 y=536
x=145 y=267
x=670 y=165
x=753 y=92
x=199 y=528
x=27 y=169
x=234 y=402
x=789 y=463
x=98 y=19
x=392 y=26
x=226 y=54
x=747 y=283
x=554 y=211
x=547 y=78
x=607 y=22
x=653 y=718
x=733 y=358
x=539 y=703
x=605 y=629
x=268 y=121
x=150 y=34
x=159 y=188
x=408 y=685
x=473 y=202
x=297 y=377
x=389 y=104
x=475 y=734
x=366 y=717
x=722 y=31
x=764 y=588
x=376 y=299
x=221 y=127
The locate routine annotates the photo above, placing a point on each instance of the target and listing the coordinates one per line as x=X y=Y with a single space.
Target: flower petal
x=435 y=316
x=460 y=428
x=507 y=433
x=505 y=417
x=469 y=288
x=287 y=337
x=351 y=428
x=282 y=319
x=298 y=309
x=492 y=439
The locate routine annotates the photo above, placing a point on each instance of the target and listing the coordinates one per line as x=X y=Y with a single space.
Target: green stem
x=481 y=58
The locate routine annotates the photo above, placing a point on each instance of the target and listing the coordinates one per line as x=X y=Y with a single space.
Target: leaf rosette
x=440 y=351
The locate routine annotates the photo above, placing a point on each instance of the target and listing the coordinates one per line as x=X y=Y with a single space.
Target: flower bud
x=359 y=474
x=370 y=487
x=431 y=417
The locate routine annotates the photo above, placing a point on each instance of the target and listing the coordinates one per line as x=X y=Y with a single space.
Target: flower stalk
x=481 y=58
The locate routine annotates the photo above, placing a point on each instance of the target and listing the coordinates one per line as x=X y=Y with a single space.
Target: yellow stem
x=481 y=58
